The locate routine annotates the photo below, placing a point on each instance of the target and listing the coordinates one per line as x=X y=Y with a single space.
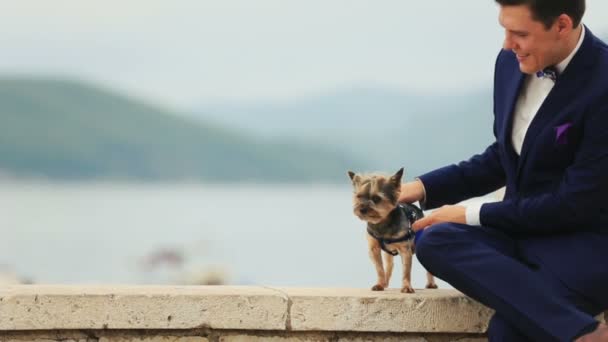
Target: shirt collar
x=563 y=64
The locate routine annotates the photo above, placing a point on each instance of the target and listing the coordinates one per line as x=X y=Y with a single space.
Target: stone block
x=426 y=311
x=43 y=307
x=154 y=339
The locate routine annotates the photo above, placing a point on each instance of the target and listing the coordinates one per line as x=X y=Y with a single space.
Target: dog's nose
x=363 y=210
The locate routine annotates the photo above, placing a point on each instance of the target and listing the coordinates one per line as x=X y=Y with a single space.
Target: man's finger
x=420 y=224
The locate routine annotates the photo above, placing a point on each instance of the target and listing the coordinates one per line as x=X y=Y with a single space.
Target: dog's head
x=375 y=195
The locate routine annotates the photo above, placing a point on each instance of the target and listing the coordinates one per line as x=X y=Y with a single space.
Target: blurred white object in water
x=205 y=275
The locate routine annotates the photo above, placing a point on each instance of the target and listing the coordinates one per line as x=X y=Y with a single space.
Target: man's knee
x=428 y=247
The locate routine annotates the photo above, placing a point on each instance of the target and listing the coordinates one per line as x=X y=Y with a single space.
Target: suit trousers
x=531 y=302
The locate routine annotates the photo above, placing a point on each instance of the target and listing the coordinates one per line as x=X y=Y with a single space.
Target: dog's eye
x=376 y=199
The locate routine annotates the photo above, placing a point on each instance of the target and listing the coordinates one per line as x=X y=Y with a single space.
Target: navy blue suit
x=540 y=258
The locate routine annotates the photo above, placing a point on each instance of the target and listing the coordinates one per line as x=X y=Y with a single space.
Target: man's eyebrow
x=518 y=32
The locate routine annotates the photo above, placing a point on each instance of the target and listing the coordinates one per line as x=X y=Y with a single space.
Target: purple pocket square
x=561 y=136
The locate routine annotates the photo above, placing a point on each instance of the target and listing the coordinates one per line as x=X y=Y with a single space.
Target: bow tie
x=549 y=72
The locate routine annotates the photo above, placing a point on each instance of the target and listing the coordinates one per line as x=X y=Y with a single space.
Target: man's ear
x=564 y=24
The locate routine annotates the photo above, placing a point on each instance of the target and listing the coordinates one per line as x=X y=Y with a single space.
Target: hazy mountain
x=71 y=130
x=388 y=127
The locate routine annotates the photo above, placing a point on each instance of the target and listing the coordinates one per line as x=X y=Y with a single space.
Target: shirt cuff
x=472 y=214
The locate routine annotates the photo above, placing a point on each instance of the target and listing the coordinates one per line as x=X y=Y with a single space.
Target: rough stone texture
x=154 y=339
x=253 y=338
x=243 y=336
x=63 y=336
x=383 y=339
x=250 y=338
x=33 y=339
x=26 y=338
x=40 y=340
x=443 y=311
x=233 y=314
x=35 y=307
x=349 y=337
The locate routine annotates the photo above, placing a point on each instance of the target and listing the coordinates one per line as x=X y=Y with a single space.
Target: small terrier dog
x=389 y=225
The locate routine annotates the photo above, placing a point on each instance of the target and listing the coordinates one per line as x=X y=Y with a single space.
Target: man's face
x=536 y=46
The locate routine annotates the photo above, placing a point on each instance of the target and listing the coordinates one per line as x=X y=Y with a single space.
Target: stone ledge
x=227 y=336
x=47 y=307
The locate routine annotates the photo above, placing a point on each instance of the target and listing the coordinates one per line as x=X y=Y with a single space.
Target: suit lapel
x=566 y=87
x=513 y=87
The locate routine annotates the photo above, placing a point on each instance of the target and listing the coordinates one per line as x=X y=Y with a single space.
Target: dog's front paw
x=431 y=286
x=377 y=287
x=407 y=289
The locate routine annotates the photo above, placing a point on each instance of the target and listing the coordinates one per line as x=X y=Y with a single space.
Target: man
x=539 y=257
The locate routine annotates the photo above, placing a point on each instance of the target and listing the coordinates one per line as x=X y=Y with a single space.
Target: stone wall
x=234 y=314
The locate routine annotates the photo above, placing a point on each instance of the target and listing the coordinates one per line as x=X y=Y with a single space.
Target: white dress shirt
x=531 y=97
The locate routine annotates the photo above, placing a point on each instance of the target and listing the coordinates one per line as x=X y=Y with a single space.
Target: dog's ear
x=396 y=178
x=353 y=177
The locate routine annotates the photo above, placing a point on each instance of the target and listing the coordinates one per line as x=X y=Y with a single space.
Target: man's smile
x=521 y=57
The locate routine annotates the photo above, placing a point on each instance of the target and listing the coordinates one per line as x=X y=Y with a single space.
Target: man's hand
x=411 y=192
x=447 y=213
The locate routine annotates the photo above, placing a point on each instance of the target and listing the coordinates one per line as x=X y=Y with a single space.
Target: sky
x=186 y=53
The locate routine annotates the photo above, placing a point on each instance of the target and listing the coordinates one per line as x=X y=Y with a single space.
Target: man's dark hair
x=546 y=11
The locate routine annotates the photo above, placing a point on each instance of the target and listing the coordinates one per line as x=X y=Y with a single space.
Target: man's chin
x=527 y=69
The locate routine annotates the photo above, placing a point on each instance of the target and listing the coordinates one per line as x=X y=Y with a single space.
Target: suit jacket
x=556 y=200
x=559 y=183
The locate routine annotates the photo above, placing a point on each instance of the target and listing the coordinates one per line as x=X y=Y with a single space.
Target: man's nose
x=508 y=43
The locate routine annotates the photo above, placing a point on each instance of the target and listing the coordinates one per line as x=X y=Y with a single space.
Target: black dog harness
x=411 y=216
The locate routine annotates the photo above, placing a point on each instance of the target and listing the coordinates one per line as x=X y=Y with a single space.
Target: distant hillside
x=388 y=127
x=71 y=130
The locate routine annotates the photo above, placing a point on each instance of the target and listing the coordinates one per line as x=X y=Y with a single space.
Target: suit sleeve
x=577 y=202
x=480 y=175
